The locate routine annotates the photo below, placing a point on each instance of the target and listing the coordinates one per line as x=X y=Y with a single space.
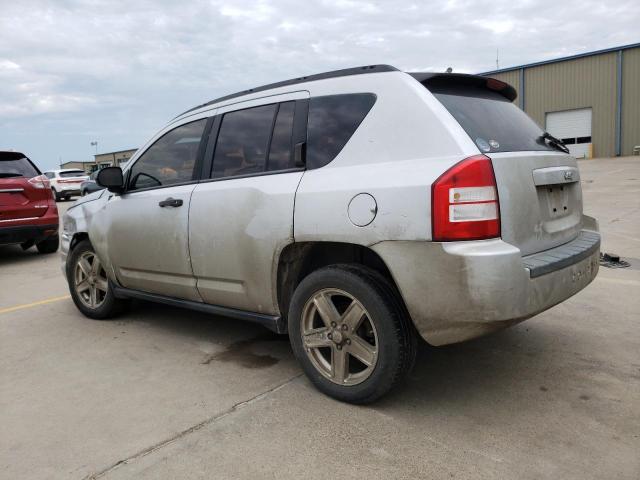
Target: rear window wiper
x=554 y=142
x=10 y=175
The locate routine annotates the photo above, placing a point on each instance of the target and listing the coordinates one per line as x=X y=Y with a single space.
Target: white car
x=356 y=210
x=66 y=182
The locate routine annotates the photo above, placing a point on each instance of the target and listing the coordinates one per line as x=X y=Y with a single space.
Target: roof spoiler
x=11 y=156
x=435 y=80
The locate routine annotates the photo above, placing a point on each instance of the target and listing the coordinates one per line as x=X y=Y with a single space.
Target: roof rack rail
x=309 y=78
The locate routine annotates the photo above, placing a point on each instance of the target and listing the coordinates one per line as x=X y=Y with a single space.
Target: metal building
x=591 y=101
x=111 y=159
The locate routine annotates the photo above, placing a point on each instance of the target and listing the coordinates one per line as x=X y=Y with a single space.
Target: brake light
x=464 y=202
x=41 y=181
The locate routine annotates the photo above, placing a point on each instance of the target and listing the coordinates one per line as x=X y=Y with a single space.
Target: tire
x=56 y=195
x=49 y=244
x=389 y=349
x=106 y=305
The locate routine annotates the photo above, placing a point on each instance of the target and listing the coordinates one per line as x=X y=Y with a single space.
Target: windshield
x=493 y=122
x=72 y=173
x=20 y=167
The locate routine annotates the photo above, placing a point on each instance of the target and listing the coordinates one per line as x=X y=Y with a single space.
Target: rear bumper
x=69 y=189
x=25 y=233
x=460 y=290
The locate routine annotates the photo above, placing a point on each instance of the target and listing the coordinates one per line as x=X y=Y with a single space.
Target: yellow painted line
x=34 y=304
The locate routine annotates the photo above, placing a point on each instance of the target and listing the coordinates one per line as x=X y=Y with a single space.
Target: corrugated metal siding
x=630 y=100
x=512 y=78
x=580 y=83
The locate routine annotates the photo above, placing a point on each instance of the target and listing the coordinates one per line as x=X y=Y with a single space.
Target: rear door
x=538 y=185
x=242 y=217
x=22 y=195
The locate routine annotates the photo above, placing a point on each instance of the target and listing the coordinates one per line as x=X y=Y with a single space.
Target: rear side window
x=16 y=167
x=170 y=160
x=492 y=121
x=255 y=140
x=72 y=173
x=280 y=152
x=243 y=141
x=332 y=121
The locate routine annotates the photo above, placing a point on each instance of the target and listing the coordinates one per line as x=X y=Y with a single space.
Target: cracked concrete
x=164 y=393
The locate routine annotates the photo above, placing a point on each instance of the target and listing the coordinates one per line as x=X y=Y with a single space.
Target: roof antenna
x=449 y=70
x=497 y=63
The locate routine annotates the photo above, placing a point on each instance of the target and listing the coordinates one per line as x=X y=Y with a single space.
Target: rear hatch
x=538 y=184
x=72 y=177
x=23 y=193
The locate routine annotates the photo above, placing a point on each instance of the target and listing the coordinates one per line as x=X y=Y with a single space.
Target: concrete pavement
x=166 y=393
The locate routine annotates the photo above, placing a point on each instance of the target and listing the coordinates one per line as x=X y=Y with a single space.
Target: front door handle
x=171 y=202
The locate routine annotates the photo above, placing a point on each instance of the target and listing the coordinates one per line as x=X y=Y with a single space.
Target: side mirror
x=111 y=178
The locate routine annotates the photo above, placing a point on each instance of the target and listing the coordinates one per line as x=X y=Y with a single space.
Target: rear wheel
x=89 y=286
x=56 y=196
x=350 y=333
x=49 y=244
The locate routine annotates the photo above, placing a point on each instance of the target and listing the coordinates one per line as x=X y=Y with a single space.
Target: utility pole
x=497 y=63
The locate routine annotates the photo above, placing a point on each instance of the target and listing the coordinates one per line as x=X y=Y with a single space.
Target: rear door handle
x=171 y=202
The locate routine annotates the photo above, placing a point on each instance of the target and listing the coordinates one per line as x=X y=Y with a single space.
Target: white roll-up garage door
x=573 y=127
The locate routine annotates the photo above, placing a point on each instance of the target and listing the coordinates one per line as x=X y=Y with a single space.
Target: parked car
x=90 y=185
x=28 y=213
x=66 y=182
x=354 y=210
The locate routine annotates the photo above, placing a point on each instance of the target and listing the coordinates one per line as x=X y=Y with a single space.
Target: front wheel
x=89 y=286
x=350 y=333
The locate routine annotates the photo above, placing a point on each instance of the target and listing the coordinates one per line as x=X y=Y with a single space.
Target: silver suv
x=356 y=210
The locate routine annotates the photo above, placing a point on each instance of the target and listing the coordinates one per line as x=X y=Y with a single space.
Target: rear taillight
x=41 y=181
x=464 y=202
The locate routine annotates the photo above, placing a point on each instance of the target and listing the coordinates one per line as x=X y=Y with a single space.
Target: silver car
x=357 y=211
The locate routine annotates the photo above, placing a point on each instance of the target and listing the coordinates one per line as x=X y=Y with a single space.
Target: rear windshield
x=493 y=122
x=20 y=167
x=72 y=173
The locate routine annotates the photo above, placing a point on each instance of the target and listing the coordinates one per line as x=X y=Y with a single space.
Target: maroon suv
x=28 y=212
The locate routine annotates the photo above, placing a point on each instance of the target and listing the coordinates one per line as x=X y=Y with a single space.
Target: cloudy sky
x=111 y=71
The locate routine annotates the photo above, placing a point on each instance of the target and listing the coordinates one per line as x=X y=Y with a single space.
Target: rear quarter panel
x=405 y=142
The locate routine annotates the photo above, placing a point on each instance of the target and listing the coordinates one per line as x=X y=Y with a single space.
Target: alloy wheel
x=339 y=337
x=90 y=279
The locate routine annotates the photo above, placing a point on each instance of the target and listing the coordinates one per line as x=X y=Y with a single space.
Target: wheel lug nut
x=344 y=327
x=333 y=324
x=339 y=347
x=329 y=336
x=348 y=341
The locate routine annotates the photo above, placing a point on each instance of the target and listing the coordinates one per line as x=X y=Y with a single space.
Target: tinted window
x=243 y=141
x=18 y=167
x=332 y=121
x=72 y=173
x=280 y=152
x=50 y=175
x=170 y=160
x=493 y=122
